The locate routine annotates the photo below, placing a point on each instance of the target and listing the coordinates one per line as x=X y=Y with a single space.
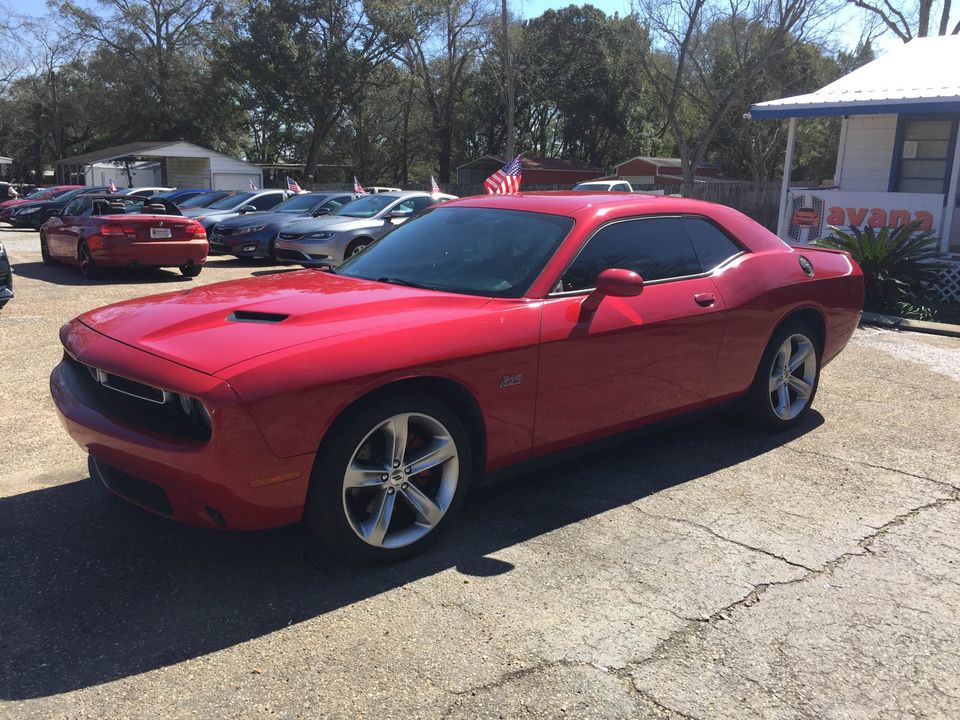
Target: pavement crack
x=714 y=533
x=875 y=466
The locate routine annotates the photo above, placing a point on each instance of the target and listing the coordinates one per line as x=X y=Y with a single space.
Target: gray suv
x=328 y=241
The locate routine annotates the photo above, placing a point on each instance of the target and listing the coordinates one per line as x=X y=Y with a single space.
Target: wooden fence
x=761 y=201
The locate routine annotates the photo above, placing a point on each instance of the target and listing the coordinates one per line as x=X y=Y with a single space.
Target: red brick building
x=658 y=171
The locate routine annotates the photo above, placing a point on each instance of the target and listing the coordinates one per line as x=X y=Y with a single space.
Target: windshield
x=299 y=203
x=231 y=201
x=477 y=251
x=204 y=199
x=592 y=186
x=69 y=195
x=34 y=194
x=367 y=207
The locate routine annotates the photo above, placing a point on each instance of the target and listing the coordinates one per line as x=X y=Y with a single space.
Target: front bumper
x=252 y=245
x=309 y=253
x=6 y=282
x=232 y=480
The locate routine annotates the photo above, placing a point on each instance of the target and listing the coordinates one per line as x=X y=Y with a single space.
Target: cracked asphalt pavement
x=708 y=571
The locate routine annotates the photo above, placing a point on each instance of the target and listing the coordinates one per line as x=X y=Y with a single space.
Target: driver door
x=62 y=231
x=634 y=359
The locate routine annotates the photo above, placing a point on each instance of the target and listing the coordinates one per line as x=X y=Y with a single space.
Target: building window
x=924 y=154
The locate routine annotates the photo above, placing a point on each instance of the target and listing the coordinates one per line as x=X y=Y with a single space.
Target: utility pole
x=507 y=79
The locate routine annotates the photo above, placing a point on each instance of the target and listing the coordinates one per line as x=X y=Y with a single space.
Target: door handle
x=704 y=299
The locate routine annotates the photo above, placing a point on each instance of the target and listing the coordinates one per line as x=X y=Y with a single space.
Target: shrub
x=898 y=263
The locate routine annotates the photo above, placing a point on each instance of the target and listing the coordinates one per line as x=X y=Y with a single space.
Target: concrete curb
x=899 y=323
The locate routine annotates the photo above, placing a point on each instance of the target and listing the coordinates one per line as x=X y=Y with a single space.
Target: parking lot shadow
x=70 y=275
x=93 y=591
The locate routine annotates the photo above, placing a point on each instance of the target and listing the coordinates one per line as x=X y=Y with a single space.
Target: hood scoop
x=252 y=316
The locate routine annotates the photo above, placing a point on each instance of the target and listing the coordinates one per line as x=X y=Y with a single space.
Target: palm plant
x=898 y=263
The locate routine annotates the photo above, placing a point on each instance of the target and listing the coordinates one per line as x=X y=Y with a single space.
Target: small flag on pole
x=292 y=185
x=434 y=188
x=111 y=186
x=357 y=187
x=506 y=180
x=252 y=185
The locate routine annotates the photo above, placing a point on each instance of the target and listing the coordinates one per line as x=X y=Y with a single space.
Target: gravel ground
x=704 y=572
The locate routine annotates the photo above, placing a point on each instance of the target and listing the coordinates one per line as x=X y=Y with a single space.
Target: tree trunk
x=508 y=79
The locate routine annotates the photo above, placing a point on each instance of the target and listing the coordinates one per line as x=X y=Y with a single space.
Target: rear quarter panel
x=762 y=289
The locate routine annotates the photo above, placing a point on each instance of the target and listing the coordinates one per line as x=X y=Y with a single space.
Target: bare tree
x=508 y=80
x=441 y=59
x=706 y=53
x=908 y=23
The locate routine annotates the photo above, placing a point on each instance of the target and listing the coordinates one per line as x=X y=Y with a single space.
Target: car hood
x=212 y=327
x=265 y=218
x=332 y=223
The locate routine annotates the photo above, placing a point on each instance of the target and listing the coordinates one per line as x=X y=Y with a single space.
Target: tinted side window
x=654 y=248
x=711 y=244
x=73 y=208
x=265 y=202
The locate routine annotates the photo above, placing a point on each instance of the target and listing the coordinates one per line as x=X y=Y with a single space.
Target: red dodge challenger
x=123 y=231
x=488 y=332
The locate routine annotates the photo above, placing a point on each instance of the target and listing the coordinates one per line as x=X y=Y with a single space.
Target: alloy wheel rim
x=357 y=250
x=792 y=376
x=400 y=480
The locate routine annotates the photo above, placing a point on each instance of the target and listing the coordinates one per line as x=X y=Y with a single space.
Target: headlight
x=26 y=211
x=319 y=235
x=193 y=410
x=200 y=218
x=251 y=229
x=3 y=250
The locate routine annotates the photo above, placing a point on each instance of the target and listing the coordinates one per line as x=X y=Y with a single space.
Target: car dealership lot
x=709 y=571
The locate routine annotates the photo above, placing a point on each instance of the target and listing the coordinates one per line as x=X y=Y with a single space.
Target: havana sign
x=811 y=213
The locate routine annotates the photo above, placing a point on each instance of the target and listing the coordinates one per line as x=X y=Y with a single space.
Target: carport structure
x=160 y=163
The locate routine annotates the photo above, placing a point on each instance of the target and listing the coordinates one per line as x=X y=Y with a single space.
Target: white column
x=947 y=225
x=840 y=150
x=787 y=169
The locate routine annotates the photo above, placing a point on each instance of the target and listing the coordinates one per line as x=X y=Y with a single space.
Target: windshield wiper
x=408 y=283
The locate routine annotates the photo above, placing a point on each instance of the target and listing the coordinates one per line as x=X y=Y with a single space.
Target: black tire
x=760 y=403
x=88 y=266
x=325 y=511
x=45 y=251
x=191 y=269
x=356 y=246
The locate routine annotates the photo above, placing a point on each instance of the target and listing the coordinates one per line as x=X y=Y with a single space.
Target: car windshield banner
x=811 y=213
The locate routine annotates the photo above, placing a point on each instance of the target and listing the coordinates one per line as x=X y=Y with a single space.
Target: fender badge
x=510 y=380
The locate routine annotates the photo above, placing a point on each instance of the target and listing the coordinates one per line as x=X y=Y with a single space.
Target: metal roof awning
x=918 y=77
x=117 y=152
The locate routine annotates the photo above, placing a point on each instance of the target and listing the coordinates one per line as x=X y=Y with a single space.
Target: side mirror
x=321 y=211
x=614 y=282
x=247 y=209
x=394 y=214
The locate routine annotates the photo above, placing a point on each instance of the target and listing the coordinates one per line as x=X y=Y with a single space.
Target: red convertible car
x=123 y=231
x=488 y=332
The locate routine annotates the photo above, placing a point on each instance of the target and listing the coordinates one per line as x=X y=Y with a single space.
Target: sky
x=848 y=32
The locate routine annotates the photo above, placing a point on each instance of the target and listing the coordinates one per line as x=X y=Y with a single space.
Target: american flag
x=434 y=188
x=357 y=187
x=252 y=186
x=292 y=185
x=506 y=180
x=111 y=186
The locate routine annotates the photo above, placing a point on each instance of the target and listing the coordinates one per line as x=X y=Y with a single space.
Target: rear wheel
x=45 y=251
x=389 y=477
x=786 y=382
x=88 y=266
x=191 y=269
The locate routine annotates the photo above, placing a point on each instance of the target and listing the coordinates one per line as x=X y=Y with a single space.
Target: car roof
x=568 y=202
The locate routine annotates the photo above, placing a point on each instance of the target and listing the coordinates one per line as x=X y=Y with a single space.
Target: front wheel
x=786 y=382
x=389 y=477
x=356 y=247
x=191 y=269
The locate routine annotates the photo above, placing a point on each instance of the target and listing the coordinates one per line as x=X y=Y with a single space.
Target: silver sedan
x=328 y=241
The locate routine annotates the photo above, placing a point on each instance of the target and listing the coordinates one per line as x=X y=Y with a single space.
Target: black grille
x=290 y=236
x=285 y=254
x=148 y=494
x=224 y=232
x=163 y=418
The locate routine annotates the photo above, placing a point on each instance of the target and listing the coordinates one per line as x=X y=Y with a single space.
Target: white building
x=898 y=157
x=167 y=164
